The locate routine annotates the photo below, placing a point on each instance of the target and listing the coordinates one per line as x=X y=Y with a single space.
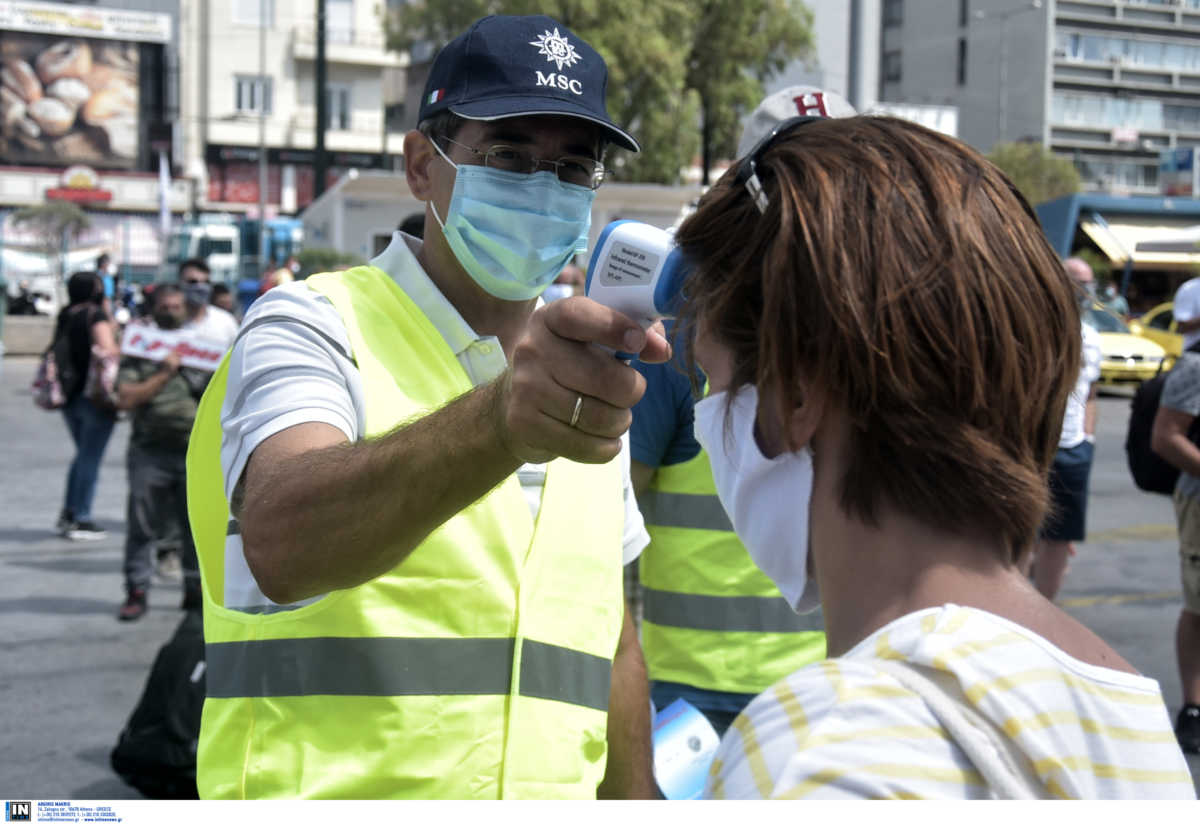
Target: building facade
x=1108 y=84
x=251 y=65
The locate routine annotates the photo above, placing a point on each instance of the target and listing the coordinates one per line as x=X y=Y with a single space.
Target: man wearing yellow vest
x=716 y=632
x=409 y=482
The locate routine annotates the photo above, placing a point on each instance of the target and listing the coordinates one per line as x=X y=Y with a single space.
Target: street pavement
x=72 y=673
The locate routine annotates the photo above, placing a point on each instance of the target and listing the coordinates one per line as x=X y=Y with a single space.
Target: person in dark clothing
x=162 y=398
x=89 y=330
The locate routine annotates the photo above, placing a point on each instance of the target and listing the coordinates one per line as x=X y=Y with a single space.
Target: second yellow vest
x=712 y=619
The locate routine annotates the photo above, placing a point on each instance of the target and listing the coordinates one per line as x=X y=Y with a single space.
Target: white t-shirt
x=286 y=373
x=215 y=324
x=1072 y=431
x=1187 y=307
x=845 y=728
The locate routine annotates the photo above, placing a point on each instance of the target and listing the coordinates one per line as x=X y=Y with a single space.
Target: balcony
x=347 y=46
x=1177 y=15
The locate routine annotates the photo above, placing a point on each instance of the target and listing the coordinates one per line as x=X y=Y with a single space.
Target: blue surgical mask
x=513 y=233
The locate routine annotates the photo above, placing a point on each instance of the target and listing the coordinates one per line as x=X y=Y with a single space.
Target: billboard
x=70 y=83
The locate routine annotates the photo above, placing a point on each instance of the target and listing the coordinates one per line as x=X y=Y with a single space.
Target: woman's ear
x=806 y=418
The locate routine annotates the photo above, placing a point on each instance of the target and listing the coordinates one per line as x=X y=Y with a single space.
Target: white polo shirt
x=292 y=365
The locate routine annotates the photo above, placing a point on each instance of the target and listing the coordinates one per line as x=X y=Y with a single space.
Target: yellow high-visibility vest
x=478 y=667
x=712 y=619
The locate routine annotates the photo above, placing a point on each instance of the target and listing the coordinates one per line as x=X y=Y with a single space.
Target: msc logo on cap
x=557 y=49
x=18 y=811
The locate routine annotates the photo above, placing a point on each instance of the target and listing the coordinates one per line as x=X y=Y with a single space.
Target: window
x=893 y=13
x=964 y=13
x=214 y=246
x=251 y=94
x=961 y=69
x=250 y=12
x=337 y=106
x=891 y=67
x=339 y=21
x=1162 y=320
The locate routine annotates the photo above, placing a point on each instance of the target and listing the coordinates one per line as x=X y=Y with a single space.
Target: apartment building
x=1106 y=83
x=249 y=75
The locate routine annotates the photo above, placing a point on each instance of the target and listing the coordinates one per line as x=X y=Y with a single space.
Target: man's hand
x=171 y=362
x=557 y=365
x=133 y=395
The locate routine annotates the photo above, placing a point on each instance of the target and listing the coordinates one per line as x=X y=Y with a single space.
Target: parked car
x=1159 y=326
x=1125 y=358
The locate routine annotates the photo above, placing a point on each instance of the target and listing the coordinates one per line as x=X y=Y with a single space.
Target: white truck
x=215 y=240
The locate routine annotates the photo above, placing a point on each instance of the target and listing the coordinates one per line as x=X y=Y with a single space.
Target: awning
x=1150 y=242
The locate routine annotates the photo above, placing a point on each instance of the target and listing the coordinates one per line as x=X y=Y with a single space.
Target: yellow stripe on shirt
x=792 y=708
x=1015 y=726
x=716 y=782
x=1009 y=682
x=754 y=756
x=1045 y=766
x=972 y=647
x=945 y=775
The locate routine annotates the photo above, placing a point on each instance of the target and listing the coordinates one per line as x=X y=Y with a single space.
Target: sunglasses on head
x=747 y=170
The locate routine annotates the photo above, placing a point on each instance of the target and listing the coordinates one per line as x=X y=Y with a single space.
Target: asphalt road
x=72 y=673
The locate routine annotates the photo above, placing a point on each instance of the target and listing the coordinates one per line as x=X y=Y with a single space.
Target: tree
x=55 y=223
x=735 y=47
x=1038 y=173
x=668 y=61
x=320 y=259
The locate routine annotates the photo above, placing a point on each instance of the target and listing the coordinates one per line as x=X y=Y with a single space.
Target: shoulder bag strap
x=1006 y=769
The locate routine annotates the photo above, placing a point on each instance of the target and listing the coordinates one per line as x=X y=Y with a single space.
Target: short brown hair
x=904 y=276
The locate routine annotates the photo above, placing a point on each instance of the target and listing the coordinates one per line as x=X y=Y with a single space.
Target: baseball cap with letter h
x=505 y=66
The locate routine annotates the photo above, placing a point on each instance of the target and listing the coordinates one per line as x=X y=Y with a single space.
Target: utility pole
x=1003 y=93
x=853 y=70
x=261 y=100
x=322 y=113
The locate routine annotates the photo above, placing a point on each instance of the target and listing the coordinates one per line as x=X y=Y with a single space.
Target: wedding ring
x=578 y=409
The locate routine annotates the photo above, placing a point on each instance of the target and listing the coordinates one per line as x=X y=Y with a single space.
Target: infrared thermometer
x=637 y=270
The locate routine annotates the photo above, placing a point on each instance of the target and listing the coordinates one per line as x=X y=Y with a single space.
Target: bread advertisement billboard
x=69 y=83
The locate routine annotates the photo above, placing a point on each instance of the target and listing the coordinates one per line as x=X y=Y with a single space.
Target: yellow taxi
x=1159 y=326
x=1125 y=358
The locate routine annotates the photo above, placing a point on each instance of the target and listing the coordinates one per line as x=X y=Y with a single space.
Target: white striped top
x=845 y=729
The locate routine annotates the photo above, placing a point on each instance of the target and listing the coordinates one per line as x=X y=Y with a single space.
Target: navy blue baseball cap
x=505 y=66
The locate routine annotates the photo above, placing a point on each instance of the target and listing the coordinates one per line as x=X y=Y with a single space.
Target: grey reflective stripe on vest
x=291 y=667
x=679 y=509
x=720 y=614
x=561 y=674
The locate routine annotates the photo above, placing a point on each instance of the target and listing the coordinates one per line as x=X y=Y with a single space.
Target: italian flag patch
x=437 y=95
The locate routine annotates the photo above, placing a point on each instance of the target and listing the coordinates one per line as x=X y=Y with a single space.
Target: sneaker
x=167 y=567
x=1187 y=728
x=66 y=522
x=134 y=606
x=86 y=531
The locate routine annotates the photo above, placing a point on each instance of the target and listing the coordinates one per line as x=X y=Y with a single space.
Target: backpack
x=57 y=379
x=1151 y=472
x=156 y=752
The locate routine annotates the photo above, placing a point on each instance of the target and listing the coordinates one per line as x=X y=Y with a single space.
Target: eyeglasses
x=573 y=169
x=747 y=171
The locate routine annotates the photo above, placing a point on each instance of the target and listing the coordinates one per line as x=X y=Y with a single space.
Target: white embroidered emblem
x=556 y=48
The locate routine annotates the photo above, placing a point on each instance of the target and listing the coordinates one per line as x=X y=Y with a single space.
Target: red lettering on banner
x=810 y=104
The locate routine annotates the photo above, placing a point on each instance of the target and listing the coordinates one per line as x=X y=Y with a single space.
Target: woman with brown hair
x=90 y=332
x=890 y=342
